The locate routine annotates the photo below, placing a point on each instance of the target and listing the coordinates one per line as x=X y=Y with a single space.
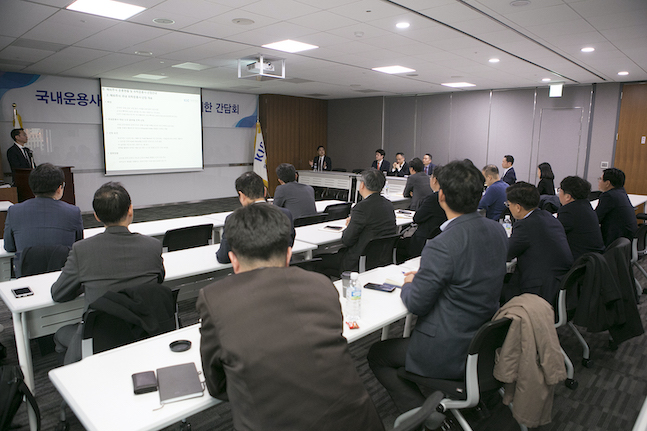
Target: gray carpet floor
x=609 y=396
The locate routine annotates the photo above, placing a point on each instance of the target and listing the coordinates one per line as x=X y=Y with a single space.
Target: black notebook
x=179 y=382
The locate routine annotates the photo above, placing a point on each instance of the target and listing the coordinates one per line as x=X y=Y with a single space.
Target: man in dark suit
x=322 y=162
x=380 y=164
x=417 y=187
x=455 y=291
x=429 y=167
x=110 y=261
x=272 y=341
x=297 y=197
x=372 y=217
x=251 y=190
x=45 y=220
x=615 y=213
x=400 y=167
x=509 y=175
x=578 y=218
x=539 y=243
x=18 y=155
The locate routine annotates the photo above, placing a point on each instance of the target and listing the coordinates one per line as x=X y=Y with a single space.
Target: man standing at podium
x=18 y=155
x=44 y=220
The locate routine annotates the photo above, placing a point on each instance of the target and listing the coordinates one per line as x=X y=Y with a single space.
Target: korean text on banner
x=260 y=155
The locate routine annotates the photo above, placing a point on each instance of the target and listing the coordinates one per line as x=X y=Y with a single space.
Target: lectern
x=21 y=180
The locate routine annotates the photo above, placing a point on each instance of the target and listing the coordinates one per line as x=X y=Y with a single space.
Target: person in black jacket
x=428 y=217
x=546 y=177
x=578 y=218
x=615 y=213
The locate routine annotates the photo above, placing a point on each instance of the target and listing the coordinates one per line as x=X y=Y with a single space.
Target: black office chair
x=595 y=194
x=308 y=265
x=427 y=415
x=187 y=237
x=41 y=259
x=479 y=378
x=310 y=219
x=338 y=211
x=132 y=314
x=638 y=250
x=378 y=252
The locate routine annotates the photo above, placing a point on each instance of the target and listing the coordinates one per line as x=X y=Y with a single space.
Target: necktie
x=321 y=163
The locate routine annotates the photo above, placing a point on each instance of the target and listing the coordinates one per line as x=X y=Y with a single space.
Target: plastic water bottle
x=353 y=299
x=507 y=224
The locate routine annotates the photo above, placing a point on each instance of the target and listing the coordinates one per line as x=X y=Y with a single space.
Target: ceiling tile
x=280 y=9
x=122 y=36
x=66 y=59
x=31 y=14
x=69 y=27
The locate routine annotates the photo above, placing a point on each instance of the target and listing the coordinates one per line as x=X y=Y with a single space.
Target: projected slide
x=150 y=128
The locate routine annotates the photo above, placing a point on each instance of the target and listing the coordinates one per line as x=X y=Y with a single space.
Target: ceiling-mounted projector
x=261 y=67
x=269 y=67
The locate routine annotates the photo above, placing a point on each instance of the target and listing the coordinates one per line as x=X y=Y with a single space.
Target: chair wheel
x=588 y=363
x=63 y=426
x=571 y=384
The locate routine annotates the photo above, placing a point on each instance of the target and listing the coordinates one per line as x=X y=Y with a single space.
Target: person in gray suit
x=298 y=198
x=271 y=337
x=417 y=187
x=455 y=291
x=110 y=261
x=45 y=220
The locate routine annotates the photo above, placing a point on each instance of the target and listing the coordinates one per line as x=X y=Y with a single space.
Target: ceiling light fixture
x=545 y=80
x=494 y=60
x=587 y=49
x=458 y=84
x=520 y=3
x=624 y=73
x=242 y=21
x=146 y=53
x=191 y=66
x=393 y=69
x=107 y=8
x=164 y=21
x=402 y=25
x=147 y=76
x=290 y=46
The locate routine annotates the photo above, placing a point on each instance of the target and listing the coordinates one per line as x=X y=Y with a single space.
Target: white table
x=636 y=201
x=38 y=315
x=158 y=228
x=4 y=205
x=321 y=205
x=5 y=262
x=116 y=407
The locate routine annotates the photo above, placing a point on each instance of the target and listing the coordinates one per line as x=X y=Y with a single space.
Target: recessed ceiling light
x=146 y=53
x=290 y=46
x=494 y=60
x=359 y=34
x=587 y=49
x=623 y=73
x=520 y=3
x=107 y=8
x=458 y=84
x=402 y=25
x=545 y=80
x=393 y=69
x=147 y=76
x=163 y=21
x=191 y=66
x=242 y=21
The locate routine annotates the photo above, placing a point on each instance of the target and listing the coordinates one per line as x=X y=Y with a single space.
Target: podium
x=21 y=180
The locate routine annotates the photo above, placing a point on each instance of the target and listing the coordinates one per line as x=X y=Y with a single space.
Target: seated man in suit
x=292 y=195
x=455 y=291
x=508 y=171
x=372 y=217
x=539 y=243
x=322 y=162
x=272 y=341
x=429 y=167
x=493 y=201
x=45 y=220
x=417 y=187
x=18 y=155
x=110 y=261
x=400 y=167
x=578 y=218
x=615 y=213
x=380 y=164
x=251 y=190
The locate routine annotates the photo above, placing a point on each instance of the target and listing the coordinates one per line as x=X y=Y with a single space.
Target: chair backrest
x=132 y=314
x=481 y=357
x=378 y=252
x=41 y=259
x=640 y=236
x=308 y=265
x=337 y=211
x=187 y=237
x=576 y=272
x=310 y=219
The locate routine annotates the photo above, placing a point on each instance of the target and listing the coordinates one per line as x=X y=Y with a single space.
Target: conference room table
x=114 y=405
x=636 y=201
x=157 y=228
x=37 y=315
